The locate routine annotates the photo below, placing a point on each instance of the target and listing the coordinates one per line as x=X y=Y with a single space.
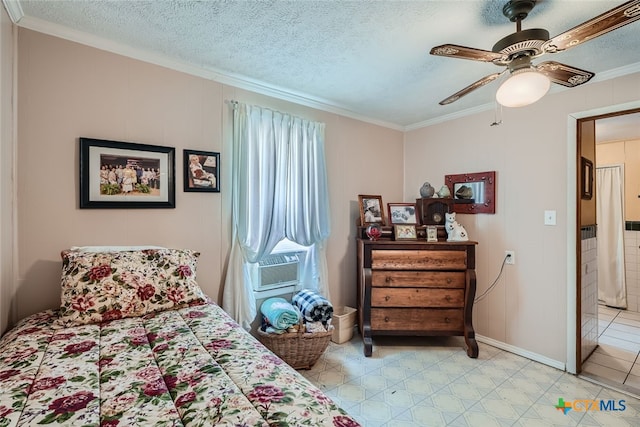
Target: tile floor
x=430 y=381
x=616 y=360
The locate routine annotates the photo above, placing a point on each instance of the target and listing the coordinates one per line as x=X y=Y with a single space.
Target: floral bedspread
x=189 y=367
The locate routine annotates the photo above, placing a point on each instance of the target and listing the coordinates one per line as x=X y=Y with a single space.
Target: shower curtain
x=612 y=289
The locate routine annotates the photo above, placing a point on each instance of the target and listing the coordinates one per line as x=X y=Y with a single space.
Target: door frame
x=574 y=338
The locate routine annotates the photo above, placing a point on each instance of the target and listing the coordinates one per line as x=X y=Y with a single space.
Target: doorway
x=614 y=357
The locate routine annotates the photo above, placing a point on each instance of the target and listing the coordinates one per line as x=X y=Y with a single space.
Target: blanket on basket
x=313 y=306
x=279 y=313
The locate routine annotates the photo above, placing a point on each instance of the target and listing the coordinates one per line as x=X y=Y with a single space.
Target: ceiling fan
x=517 y=50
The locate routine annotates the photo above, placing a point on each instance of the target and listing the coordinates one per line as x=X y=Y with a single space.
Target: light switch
x=549 y=217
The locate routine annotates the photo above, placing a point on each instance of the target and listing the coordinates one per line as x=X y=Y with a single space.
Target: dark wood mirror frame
x=484 y=182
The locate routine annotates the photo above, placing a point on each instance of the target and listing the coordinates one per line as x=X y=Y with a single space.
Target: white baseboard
x=522 y=352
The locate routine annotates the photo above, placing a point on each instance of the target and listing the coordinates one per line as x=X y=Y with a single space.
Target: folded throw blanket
x=313 y=306
x=279 y=313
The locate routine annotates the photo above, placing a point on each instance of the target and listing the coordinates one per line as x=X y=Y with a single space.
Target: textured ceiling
x=369 y=59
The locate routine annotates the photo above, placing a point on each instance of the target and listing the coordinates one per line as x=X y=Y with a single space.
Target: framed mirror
x=473 y=193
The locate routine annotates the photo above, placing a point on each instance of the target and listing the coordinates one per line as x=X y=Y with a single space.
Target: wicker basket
x=301 y=350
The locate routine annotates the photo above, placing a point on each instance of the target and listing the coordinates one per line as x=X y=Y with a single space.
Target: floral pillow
x=102 y=286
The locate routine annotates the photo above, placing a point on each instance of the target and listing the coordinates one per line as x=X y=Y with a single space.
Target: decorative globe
x=374 y=232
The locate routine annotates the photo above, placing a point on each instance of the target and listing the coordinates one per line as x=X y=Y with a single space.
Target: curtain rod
x=608 y=166
x=232 y=102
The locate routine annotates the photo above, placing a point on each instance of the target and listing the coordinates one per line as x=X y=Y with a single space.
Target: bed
x=136 y=342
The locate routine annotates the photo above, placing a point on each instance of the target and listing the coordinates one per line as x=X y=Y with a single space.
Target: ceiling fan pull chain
x=497 y=116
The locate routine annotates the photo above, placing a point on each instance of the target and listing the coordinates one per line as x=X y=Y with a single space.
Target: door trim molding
x=572 y=221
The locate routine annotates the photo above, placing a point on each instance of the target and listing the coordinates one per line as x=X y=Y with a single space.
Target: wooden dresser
x=416 y=288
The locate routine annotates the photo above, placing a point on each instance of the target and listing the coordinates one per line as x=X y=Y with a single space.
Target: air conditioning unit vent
x=276 y=271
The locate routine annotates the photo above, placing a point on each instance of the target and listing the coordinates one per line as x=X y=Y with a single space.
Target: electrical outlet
x=511 y=257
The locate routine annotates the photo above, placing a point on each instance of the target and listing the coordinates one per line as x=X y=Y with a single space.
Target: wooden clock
x=432 y=210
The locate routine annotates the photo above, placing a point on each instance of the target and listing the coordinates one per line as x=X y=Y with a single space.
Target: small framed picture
x=405 y=232
x=201 y=171
x=371 y=210
x=586 y=177
x=402 y=213
x=432 y=233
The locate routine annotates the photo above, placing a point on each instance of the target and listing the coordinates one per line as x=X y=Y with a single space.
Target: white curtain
x=279 y=190
x=612 y=289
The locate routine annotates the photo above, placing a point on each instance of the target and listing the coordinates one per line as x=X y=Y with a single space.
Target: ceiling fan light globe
x=523 y=87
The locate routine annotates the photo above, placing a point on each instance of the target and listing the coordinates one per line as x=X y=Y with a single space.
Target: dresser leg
x=368 y=346
x=367 y=340
x=472 y=345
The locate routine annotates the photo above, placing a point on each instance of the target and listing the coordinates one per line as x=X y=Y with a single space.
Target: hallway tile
x=633 y=381
x=623 y=344
x=601 y=359
x=614 y=375
x=616 y=352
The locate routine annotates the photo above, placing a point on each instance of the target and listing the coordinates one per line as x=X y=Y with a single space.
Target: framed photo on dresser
x=405 y=232
x=371 y=210
x=402 y=213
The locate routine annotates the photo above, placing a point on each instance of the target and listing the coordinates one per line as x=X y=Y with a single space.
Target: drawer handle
x=387 y=298
x=449 y=280
x=386 y=319
x=388 y=279
x=447 y=320
x=447 y=298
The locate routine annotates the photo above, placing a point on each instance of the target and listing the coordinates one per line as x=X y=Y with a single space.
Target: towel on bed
x=313 y=306
x=279 y=313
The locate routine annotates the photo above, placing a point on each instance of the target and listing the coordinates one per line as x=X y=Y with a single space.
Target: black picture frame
x=208 y=169
x=153 y=166
x=586 y=178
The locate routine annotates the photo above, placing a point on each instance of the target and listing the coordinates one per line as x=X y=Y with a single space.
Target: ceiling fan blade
x=615 y=18
x=483 y=81
x=462 y=52
x=564 y=74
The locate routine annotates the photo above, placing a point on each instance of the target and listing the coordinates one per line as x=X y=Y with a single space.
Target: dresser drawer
x=422 y=279
x=382 y=259
x=416 y=319
x=417 y=297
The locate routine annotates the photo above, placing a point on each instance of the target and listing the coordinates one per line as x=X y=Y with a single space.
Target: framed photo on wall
x=124 y=175
x=586 y=178
x=402 y=213
x=201 y=171
x=371 y=210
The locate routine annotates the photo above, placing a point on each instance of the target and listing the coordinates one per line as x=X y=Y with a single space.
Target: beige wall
x=529 y=151
x=68 y=90
x=7 y=149
x=625 y=153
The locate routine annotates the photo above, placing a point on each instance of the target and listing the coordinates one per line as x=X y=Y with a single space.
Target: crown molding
x=14 y=10
x=236 y=80
x=451 y=116
x=617 y=72
x=243 y=82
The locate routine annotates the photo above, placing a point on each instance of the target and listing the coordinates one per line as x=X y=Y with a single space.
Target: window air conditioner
x=277 y=271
